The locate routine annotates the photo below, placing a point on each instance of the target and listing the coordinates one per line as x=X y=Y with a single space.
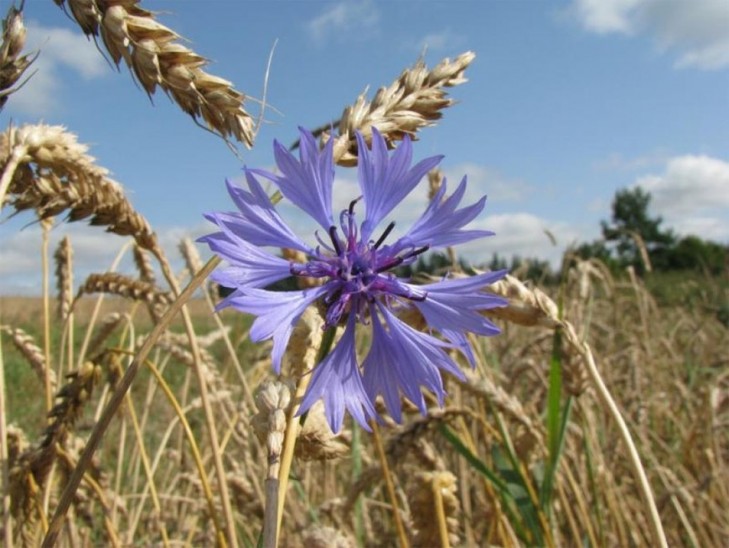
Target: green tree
x=693 y=253
x=632 y=223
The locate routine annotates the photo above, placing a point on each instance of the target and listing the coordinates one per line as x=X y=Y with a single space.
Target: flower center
x=356 y=270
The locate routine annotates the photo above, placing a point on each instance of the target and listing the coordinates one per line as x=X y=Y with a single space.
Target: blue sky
x=567 y=101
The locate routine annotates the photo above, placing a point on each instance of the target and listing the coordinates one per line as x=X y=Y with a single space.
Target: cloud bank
x=697 y=31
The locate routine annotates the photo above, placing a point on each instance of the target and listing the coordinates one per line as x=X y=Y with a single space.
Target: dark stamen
x=399 y=260
x=385 y=234
x=391 y=264
x=352 y=204
x=335 y=240
x=416 y=252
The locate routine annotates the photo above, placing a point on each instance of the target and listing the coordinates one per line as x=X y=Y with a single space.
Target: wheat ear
x=156 y=57
x=45 y=168
x=33 y=354
x=413 y=101
x=12 y=64
x=64 y=278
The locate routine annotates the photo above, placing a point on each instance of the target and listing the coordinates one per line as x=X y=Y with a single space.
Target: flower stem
x=292 y=431
x=402 y=536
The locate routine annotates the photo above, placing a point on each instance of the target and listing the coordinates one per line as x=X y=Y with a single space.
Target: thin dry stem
x=114 y=403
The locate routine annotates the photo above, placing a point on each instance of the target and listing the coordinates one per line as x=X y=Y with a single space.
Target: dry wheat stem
x=401 y=535
x=659 y=536
x=115 y=401
x=156 y=56
x=157 y=517
x=194 y=448
x=533 y=307
x=4 y=461
x=199 y=371
x=306 y=341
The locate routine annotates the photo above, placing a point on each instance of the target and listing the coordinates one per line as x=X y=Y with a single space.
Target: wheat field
x=132 y=413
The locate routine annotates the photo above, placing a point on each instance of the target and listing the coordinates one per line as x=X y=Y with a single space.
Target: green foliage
x=630 y=219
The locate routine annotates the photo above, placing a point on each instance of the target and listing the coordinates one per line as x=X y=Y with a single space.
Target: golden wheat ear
x=12 y=64
x=413 y=101
x=156 y=57
x=46 y=169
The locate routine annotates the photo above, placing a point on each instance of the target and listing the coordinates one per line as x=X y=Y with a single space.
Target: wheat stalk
x=154 y=54
x=33 y=466
x=12 y=64
x=533 y=307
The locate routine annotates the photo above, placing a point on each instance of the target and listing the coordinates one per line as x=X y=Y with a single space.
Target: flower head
x=356 y=266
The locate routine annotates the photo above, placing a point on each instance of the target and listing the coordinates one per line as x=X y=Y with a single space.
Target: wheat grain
x=45 y=168
x=156 y=57
x=64 y=280
x=12 y=64
x=33 y=466
x=318 y=536
x=33 y=354
x=429 y=494
x=124 y=286
x=144 y=265
x=413 y=101
x=190 y=253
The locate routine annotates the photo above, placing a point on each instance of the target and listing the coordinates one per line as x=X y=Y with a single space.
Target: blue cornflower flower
x=356 y=268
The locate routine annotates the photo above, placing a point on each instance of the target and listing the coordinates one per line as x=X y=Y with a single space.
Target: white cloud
x=522 y=234
x=59 y=48
x=343 y=20
x=698 y=30
x=604 y=17
x=692 y=195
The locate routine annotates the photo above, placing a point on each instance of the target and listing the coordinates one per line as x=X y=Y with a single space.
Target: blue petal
x=386 y=181
x=414 y=357
x=383 y=376
x=338 y=381
x=307 y=182
x=451 y=307
x=276 y=314
x=249 y=265
x=440 y=225
x=257 y=222
x=469 y=284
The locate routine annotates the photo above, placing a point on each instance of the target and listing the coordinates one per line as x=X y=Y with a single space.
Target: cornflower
x=356 y=267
